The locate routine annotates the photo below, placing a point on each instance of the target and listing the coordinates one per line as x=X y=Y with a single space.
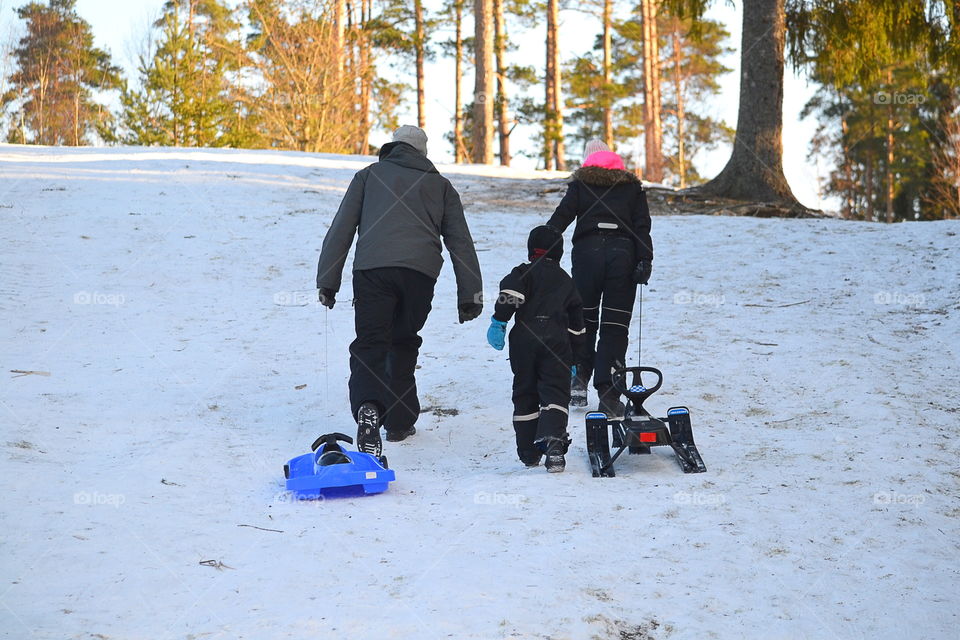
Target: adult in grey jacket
x=400 y=208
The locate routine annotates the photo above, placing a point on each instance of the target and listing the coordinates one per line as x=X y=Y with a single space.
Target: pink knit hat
x=604 y=159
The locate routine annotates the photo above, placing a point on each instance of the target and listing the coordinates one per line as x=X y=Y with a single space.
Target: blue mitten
x=496 y=333
x=573 y=371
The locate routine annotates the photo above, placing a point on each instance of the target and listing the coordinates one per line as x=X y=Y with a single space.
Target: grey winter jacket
x=400 y=208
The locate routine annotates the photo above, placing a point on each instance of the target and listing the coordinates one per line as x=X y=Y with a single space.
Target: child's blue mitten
x=496 y=333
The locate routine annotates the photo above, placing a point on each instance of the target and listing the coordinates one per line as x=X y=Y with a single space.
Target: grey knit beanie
x=414 y=136
x=593 y=146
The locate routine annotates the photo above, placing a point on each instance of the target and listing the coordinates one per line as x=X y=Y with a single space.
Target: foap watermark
x=295 y=298
x=506 y=296
x=899 y=298
x=497 y=498
x=699 y=498
x=894 y=497
x=897 y=97
x=292 y=497
x=699 y=298
x=96 y=498
x=96 y=297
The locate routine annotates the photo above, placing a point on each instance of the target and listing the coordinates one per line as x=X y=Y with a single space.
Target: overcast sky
x=120 y=27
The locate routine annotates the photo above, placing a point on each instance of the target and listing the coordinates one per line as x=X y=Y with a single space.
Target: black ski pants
x=540 y=358
x=391 y=305
x=603 y=267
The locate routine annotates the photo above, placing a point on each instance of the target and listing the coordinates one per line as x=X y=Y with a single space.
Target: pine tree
x=690 y=69
x=888 y=139
x=51 y=91
x=404 y=29
x=484 y=82
x=554 y=155
x=652 y=125
x=454 y=11
x=364 y=68
x=889 y=80
x=502 y=104
x=420 y=53
x=607 y=47
x=184 y=99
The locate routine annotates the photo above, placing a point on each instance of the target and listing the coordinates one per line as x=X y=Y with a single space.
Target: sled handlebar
x=330 y=438
x=637 y=391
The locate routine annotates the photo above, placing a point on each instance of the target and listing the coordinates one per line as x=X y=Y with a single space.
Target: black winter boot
x=368 y=429
x=578 y=391
x=399 y=435
x=555 y=450
x=555 y=463
x=610 y=402
x=531 y=458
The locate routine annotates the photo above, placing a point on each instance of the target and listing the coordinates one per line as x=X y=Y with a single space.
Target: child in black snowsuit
x=547 y=333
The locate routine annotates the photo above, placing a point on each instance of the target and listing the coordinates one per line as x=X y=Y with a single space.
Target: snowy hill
x=162 y=302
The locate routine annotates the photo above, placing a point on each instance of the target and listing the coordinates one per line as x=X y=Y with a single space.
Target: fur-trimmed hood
x=600 y=177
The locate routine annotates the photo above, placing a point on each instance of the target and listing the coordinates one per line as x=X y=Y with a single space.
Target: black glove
x=469 y=311
x=641 y=273
x=327 y=297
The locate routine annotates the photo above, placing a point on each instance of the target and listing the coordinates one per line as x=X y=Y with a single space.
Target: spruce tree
x=51 y=98
x=889 y=93
x=184 y=98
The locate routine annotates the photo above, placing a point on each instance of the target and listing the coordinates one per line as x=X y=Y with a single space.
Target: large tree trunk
x=366 y=9
x=459 y=150
x=484 y=87
x=607 y=75
x=548 y=101
x=755 y=168
x=678 y=90
x=653 y=130
x=502 y=105
x=352 y=64
x=554 y=102
x=657 y=103
x=419 y=48
x=339 y=17
x=560 y=153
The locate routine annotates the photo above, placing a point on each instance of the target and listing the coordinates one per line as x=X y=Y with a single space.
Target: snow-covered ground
x=165 y=300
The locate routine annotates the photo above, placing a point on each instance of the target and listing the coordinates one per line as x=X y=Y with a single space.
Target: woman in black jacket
x=612 y=253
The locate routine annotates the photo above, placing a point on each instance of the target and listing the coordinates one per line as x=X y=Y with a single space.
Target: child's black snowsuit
x=548 y=331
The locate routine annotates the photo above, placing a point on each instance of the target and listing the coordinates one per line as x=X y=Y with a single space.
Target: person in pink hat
x=612 y=254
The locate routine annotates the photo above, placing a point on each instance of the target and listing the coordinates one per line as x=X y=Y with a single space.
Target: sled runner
x=331 y=471
x=639 y=431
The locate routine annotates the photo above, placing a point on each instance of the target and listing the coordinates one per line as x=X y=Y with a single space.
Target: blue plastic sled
x=330 y=471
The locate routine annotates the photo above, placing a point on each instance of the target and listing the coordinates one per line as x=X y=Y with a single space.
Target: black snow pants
x=391 y=305
x=603 y=267
x=540 y=358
